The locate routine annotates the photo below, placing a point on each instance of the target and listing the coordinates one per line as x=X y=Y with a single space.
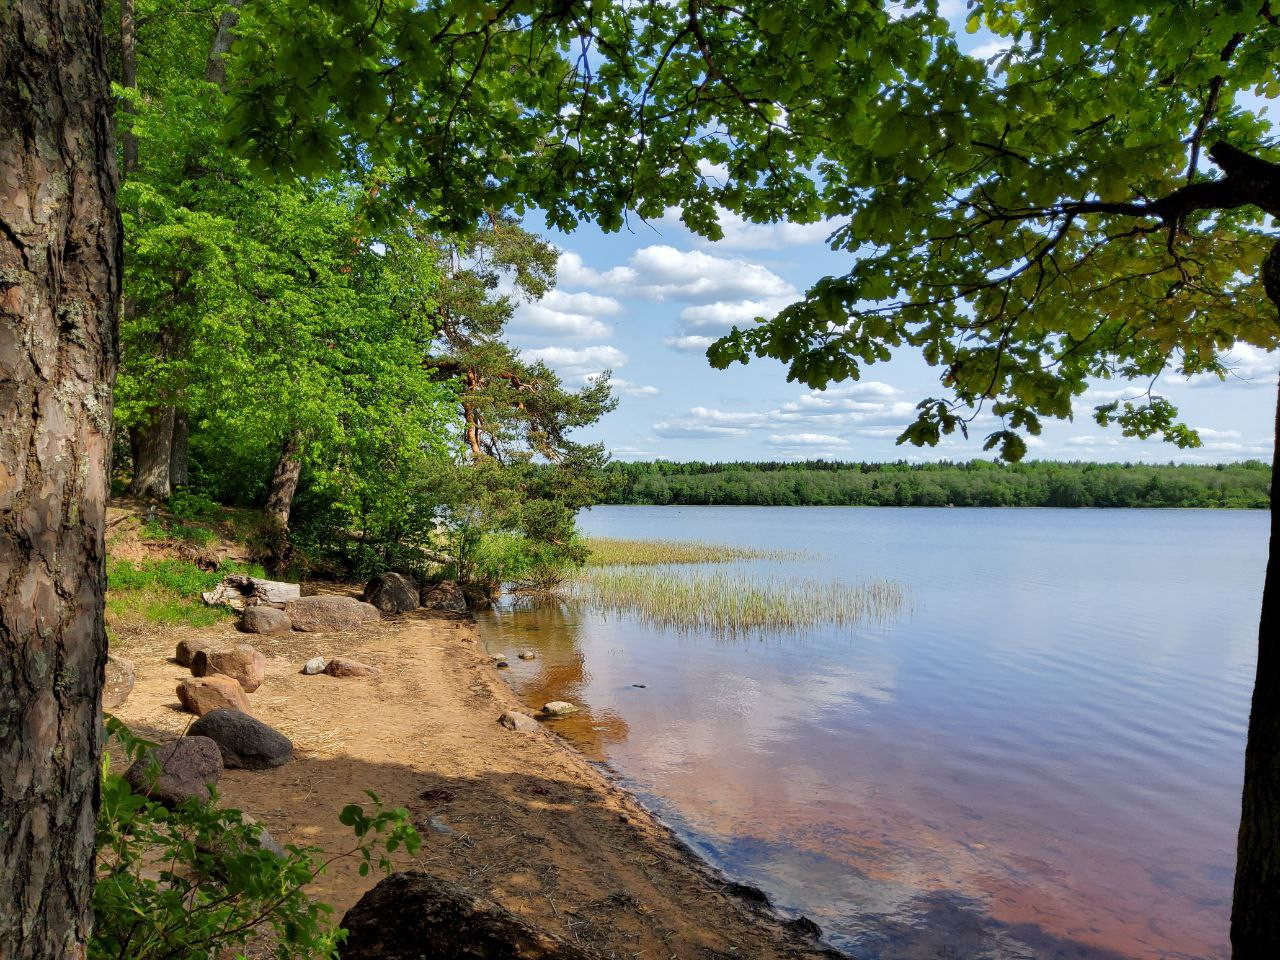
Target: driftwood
x=238 y=591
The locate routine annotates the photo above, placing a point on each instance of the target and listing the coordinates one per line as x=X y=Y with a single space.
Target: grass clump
x=166 y=591
x=738 y=603
x=617 y=552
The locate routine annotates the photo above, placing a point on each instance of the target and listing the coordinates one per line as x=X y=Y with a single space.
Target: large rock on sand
x=189 y=647
x=342 y=667
x=392 y=593
x=118 y=683
x=329 y=614
x=263 y=619
x=187 y=768
x=201 y=695
x=245 y=743
x=412 y=915
x=445 y=595
x=520 y=722
x=244 y=664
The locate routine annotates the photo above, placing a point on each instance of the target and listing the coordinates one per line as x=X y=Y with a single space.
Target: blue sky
x=646 y=302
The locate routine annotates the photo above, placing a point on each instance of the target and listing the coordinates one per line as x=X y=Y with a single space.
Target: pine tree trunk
x=59 y=292
x=179 y=476
x=1255 y=908
x=152 y=444
x=284 y=479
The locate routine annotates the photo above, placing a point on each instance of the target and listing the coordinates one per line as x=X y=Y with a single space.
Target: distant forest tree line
x=977 y=483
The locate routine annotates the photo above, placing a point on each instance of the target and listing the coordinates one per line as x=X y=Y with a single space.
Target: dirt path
x=519 y=817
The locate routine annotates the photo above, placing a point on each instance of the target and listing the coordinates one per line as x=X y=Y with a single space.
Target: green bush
x=195 y=882
x=167 y=591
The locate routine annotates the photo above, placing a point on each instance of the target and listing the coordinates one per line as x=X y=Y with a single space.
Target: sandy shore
x=520 y=817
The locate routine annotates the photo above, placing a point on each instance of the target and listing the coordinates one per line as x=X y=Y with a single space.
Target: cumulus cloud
x=625 y=387
x=561 y=314
x=678 y=430
x=1247 y=366
x=662 y=272
x=578 y=361
x=742 y=234
x=724 y=315
x=806 y=440
x=690 y=343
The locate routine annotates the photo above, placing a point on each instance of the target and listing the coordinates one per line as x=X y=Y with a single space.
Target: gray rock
x=520 y=722
x=313 y=666
x=558 y=708
x=245 y=743
x=186 y=769
x=527 y=655
x=407 y=911
x=118 y=683
x=445 y=595
x=264 y=619
x=393 y=593
x=329 y=614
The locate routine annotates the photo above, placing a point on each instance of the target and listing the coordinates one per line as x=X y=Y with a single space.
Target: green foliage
x=978 y=483
x=614 y=552
x=167 y=591
x=195 y=882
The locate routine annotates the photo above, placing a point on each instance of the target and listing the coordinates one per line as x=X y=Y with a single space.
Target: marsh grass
x=165 y=591
x=737 y=603
x=615 y=552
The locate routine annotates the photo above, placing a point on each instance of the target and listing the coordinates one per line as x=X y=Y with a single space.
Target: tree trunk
x=284 y=479
x=215 y=67
x=1255 y=908
x=152 y=445
x=179 y=446
x=59 y=292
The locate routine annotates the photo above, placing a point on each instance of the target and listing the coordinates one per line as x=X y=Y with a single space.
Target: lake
x=1040 y=757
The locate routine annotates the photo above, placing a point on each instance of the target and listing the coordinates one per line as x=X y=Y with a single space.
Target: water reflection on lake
x=1041 y=758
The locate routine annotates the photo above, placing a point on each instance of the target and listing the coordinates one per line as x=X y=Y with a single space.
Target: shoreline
x=525 y=819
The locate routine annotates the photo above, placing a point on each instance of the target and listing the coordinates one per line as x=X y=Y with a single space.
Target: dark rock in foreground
x=245 y=743
x=392 y=593
x=412 y=916
x=188 y=767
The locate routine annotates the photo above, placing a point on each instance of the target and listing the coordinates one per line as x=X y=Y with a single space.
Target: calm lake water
x=1041 y=757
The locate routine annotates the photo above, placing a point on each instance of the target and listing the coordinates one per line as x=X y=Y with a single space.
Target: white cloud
x=625 y=387
x=691 y=343
x=723 y=315
x=579 y=362
x=806 y=440
x=566 y=315
x=681 y=430
x=742 y=234
x=661 y=272
x=1247 y=366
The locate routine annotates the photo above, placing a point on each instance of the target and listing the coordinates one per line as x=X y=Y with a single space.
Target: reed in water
x=737 y=603
x=618 y=552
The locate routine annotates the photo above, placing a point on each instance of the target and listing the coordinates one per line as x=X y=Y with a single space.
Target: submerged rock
x=558 y=708
x=184 y=769
x=527 y=655
x=393 y=593
x=244 y=742
x=413 y=915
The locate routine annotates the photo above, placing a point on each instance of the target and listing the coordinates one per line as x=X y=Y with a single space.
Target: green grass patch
x=166 y=591
x=615 y=552
x=738 y=603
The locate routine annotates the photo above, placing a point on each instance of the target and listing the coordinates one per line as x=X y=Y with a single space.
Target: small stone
x=640 y=686
x=245 y=743
x=263 y=619
x=558 y=708
x=313 y=666
x=520 y=722
x=187 y=768
x=393 y=593
x=497 y=656
x=501 y=664
x=187 y=649
x=342 y=667
x=118 y=682
x=527 y=655
x=244 y=663
x=202 y=694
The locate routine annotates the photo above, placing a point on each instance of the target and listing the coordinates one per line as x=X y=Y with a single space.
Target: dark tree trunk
x=215 y=67
x=59 y=291
x=1255 y=908
x=178 y=473
x=152 y=445
x=128 y=77
x=284 y=479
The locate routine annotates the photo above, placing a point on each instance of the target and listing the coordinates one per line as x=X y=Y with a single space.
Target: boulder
x=188 y=648
x=412 y=915
x=445 y=595
x=520 y=722
x=202 y=694
x=187 y=768
x=118 y=683
x=329 y=614
x=558 y=708
x=342 y=667
x=313 y=666
x=245 y=664
x=392 y=593
x=239 y=592
x=264 y=619
x=245 y=743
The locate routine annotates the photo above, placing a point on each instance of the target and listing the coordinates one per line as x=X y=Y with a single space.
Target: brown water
x=1040 y=759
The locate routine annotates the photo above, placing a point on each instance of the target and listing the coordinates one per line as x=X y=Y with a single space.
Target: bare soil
x=519 y=817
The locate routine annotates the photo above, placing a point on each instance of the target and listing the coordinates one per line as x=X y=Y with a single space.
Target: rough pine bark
x=152 y=445
x=59 y=292
x=284 y=479
x=1255 y=907
x=179 y=475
